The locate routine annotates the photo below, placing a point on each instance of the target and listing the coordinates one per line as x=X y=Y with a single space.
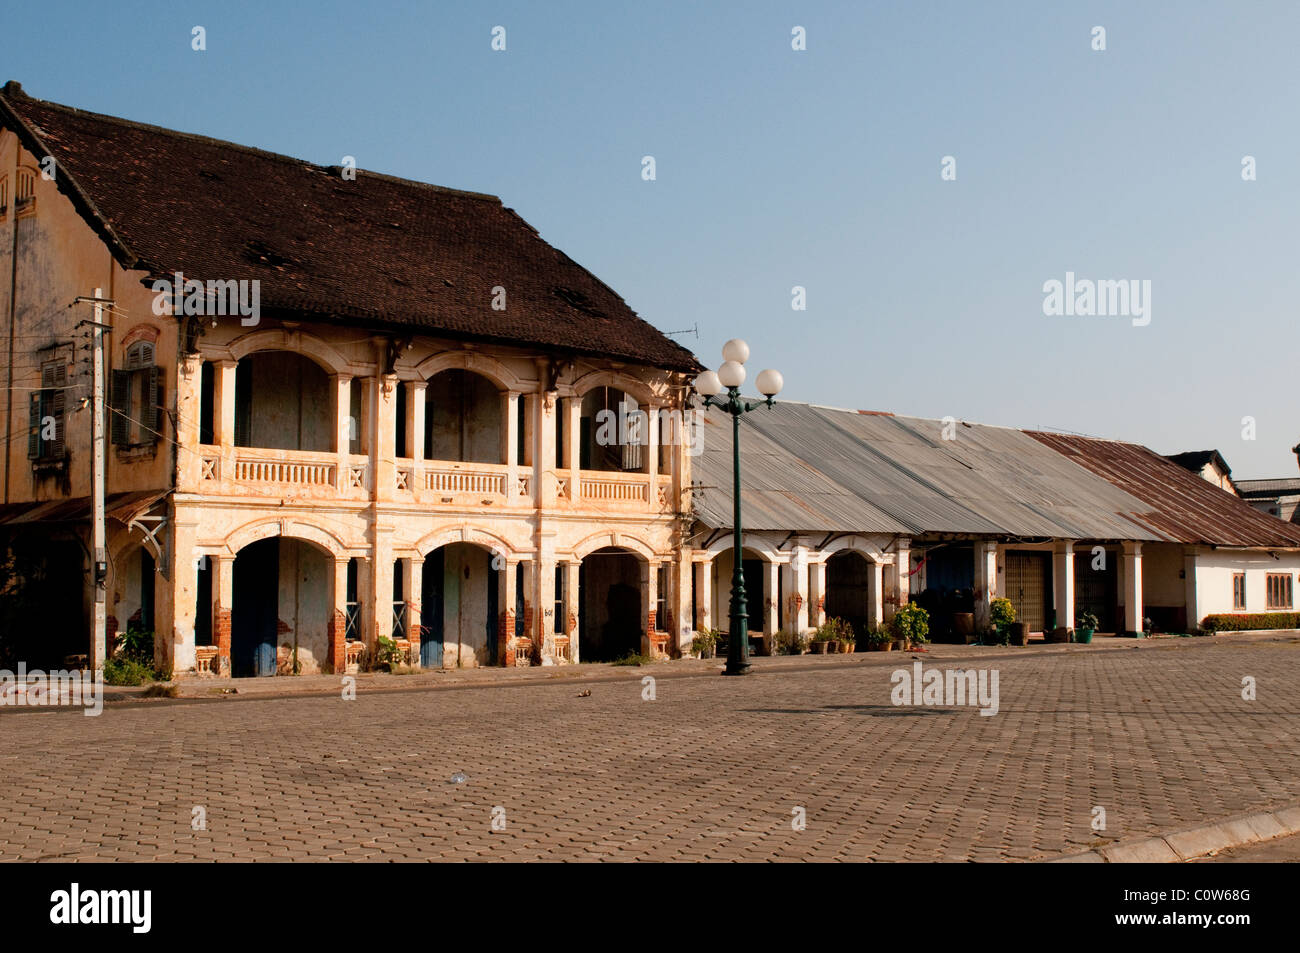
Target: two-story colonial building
x=343 y=406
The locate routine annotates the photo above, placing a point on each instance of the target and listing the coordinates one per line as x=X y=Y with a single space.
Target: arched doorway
x=279 y=622
x=459 y=607
x=754 y=569
x=848 y=591
x=609 y=627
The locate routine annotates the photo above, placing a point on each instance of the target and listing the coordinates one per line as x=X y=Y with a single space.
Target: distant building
x=1209 y=465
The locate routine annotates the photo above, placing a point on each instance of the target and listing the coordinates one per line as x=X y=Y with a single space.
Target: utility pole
x=98 y=543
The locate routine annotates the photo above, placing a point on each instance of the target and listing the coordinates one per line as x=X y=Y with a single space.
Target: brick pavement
x=711 y=770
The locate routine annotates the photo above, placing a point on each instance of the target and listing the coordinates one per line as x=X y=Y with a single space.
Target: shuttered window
x=1239 y=590
x=1278 y=586
x=136 y=399
x=46 y=436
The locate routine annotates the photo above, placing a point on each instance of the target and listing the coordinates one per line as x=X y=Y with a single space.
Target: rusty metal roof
x=1180 y=505
x=809 y=468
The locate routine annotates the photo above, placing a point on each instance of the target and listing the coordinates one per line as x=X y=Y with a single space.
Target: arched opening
x=614 y=432
x=848 y=591
x=464 y=418
x=283 y=402
x=137 y=572
x=609 y=627
x=754 y=568
x=459 y=607
x=279 y=622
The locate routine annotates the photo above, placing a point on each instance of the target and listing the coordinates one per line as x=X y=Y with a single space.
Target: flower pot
x=847 y=647
x=900 y=644
x=820 y=648
x=882 y=646
x=1019 y=633
x=1059 y=634
x=963 y=626
x=1083 y=636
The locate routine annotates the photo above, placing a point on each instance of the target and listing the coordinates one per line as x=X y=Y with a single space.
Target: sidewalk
x=290 y=686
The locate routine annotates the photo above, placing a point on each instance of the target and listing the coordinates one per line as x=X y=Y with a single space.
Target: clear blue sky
x=820 y=168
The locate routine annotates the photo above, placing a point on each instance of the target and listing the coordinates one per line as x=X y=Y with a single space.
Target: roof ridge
x=22 y=96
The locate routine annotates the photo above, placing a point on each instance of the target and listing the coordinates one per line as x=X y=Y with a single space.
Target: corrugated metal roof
x=808 y=468
x=1280 y=487
x=1180 y=505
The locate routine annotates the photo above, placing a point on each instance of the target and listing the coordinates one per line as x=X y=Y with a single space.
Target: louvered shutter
x=120 y=402
x=54 y=408
x=34 y=427
x=150 y=405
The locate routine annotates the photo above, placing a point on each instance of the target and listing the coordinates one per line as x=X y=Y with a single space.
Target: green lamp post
x=710 y=385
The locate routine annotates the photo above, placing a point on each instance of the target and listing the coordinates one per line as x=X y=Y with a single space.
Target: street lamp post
x=709 y=385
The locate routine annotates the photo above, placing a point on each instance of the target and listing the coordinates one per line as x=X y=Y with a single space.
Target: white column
x=650 y=587
x=900 y=580
x=1063 y=582
x=343 y=425
x=986 y=581
x=771 y=603
x=571 y=606
x=875 y=594
x=1133 y=609
x=506 y=612
x=572 y=437
x=796 y=590
x=416 y=395
x=412 y=584
x=817 y=594
x=703 y=594
x=510 y=434
x=1191 y=595
x=223 y=403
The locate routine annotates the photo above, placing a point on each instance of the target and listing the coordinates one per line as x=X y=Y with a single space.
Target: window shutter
x=120 y=404
x=152 y=398
x=57 y=447
x=34 y=427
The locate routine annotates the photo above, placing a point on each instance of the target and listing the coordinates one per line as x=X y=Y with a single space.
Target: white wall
x=1214 y=571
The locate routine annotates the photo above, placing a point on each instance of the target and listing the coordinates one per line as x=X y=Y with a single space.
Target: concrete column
x=1191 y=597
x=572 y=436
x=898 y=580
x=506 y=612
x=1133 y=609
x=343 y=425
x=527 y=613
x=986 y=581
x=223 y=403
x=415 y=404
x=1063 y=582
x=572 y=611
x=412 y=581
x=876 y=594
x=175 y=598
x=649 y=612
x=338 y=622
x=703 y=594
x=650 y=435
x=683 y=621
x=796 y=590
x=544 y=608
x=543 y=418
x=771 y=602
x=223 y=597
x=817 y=594
x=366 y=623
x=383 y=443
x=189 y=467
x=510 y=434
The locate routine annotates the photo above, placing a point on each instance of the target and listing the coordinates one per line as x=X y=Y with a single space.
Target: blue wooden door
x=266 y=658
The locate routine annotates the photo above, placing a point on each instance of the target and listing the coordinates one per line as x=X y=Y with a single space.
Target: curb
x=1183 y=845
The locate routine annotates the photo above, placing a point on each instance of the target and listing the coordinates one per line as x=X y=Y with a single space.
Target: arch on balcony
x=283 y=401
x=464 y=417
x=483 y=364
x=298 y=342
x=619 y=380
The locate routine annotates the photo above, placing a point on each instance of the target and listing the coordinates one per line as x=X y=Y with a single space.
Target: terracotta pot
x=1019 y=633
x=820 y=648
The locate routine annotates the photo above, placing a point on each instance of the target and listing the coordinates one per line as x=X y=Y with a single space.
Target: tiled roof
x=376 y=250
x=1180 y=505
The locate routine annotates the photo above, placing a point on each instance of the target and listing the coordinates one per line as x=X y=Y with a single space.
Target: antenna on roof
x=695 y=330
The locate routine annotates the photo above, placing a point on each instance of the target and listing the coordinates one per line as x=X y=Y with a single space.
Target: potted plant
x=848 y=641
x=821 y=640
x=1087 y=625
x=705 y=643
x=911 y=624
x=1001 y=614
x=880 y=639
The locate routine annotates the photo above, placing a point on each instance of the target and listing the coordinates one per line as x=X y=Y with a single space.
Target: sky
x=820 y=168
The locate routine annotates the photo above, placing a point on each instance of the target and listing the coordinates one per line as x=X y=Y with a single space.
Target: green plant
x=1086 y=620
x=834 y=629
x=789 y=643
x=120 y=670
x=633 y=658
x=387 y=655
x=1001 y=612
x=879 y=635
x=911 y=623
x=161 y=691
x=704 y=641
x=134 y=644
x=1236 y=622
